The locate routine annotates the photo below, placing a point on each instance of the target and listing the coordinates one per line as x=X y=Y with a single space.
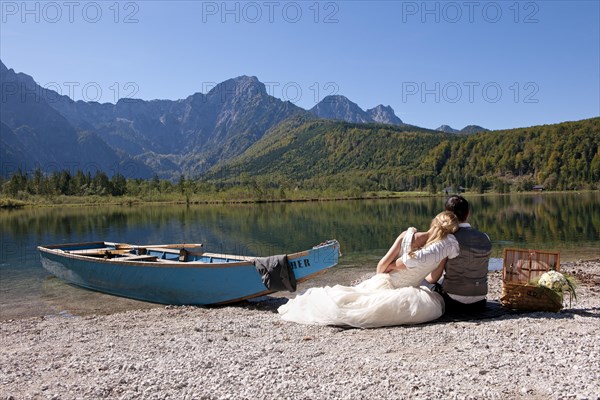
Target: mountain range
x=342 y=109
x=39 y=128
x=469 y=129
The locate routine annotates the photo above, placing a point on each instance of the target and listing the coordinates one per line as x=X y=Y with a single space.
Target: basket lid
x=524 y=265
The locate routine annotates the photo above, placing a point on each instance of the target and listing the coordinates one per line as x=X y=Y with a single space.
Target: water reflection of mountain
x=526 y=220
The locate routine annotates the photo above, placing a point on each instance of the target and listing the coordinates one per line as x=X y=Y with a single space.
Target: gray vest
x=466 y=275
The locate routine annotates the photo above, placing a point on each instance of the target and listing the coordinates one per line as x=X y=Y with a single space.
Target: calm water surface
x=569 y=223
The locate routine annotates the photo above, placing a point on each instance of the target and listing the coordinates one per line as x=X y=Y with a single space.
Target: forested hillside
x=561 y=156
x=322 y=154
x=325 y=154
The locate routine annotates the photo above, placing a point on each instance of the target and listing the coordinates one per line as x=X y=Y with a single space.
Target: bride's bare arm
x=388 y=261
x=436 y=274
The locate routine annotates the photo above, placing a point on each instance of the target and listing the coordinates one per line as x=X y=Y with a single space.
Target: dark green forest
x=322 y=156
x=371 y=157
x=564 y=156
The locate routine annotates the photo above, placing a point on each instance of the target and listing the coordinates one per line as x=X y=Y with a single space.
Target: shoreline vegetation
x=221 y=198
x=21 y=191
x=31 y=201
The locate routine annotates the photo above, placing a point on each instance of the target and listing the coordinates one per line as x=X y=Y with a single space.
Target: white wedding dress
x=383 y=300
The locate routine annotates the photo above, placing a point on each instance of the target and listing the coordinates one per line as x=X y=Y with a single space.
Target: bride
x=393 y=295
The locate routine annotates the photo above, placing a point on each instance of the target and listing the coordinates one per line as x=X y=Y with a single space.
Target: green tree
x=118 y=185
x=181 y=184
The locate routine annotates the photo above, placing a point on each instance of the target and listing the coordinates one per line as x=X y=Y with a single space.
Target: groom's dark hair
x=459 y=206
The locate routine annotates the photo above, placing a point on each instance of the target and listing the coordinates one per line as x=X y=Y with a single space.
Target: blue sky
x=501 y=64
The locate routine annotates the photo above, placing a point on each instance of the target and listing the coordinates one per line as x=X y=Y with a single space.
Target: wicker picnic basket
x=519 y=268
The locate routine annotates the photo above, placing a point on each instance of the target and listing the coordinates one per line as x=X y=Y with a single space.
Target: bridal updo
x=446 y=221
x=442 y=225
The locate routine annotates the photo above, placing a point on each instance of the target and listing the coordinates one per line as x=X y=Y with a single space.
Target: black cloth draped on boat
x=276 y=273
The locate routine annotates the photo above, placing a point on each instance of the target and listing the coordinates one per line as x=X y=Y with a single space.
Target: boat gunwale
x=160 y=263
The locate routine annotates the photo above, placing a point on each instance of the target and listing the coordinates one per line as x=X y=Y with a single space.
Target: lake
x=569 y=223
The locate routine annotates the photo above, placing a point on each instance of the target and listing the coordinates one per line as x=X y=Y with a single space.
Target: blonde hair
x=441 y=226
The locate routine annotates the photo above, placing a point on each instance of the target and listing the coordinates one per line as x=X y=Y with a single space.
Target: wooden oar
x=121 y=246
x=104 y=251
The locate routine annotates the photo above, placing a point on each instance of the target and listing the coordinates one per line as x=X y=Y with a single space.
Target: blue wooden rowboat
x=173 y=274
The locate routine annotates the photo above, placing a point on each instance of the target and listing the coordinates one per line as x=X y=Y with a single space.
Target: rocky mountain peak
x=447 y=129
x=384 y=114
x=340 y=108
x=240 y=87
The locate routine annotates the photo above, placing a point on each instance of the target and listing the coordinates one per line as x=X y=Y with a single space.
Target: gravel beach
x=246 y=351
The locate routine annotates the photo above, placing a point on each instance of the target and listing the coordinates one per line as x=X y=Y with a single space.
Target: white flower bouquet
x=558 y=284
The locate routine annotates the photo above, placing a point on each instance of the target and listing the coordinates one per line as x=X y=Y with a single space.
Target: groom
x=464 y=285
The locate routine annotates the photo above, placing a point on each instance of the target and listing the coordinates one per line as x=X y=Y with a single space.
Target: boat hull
x=178 y=283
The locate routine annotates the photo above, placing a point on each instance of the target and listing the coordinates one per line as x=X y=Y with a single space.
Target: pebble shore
x=246 y=351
